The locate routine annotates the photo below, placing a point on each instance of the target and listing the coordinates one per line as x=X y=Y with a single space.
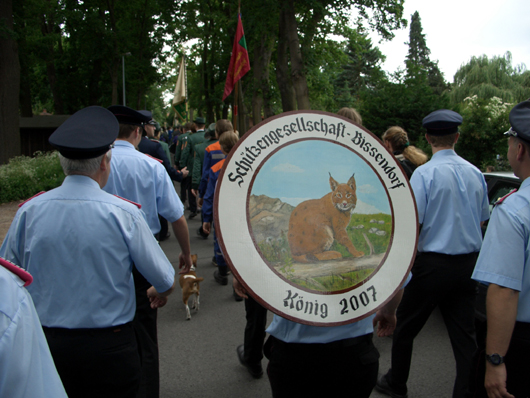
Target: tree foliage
x=418 y=60
x=73 y=51
x=362 y=67
x=403 y=102
x=71 y=55
x=482 y=138
x=487 y=78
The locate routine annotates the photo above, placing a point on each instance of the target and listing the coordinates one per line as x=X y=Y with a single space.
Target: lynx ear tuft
x=334 y=184
x=351 y=181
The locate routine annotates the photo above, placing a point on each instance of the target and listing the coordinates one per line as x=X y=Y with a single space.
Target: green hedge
x=25 y=176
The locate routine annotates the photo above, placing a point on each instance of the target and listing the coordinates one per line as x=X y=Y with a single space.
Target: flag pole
x=186 y=85
x=238 y=67
x=236 y=94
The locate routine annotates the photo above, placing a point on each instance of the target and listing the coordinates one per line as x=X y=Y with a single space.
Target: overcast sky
x=456 y=30
x=290 y=175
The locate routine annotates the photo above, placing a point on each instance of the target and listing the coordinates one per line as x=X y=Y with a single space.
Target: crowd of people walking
x=83 y=273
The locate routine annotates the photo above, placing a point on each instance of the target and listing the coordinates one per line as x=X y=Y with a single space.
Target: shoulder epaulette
x=33 y=197
x=500 y=200
x=152 y=157
x=130 y=201
x=21 y=273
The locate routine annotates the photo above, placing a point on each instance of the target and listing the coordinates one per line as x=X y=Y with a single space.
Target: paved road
x=198 y=357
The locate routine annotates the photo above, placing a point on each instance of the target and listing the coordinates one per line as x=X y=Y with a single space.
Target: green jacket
x=198 y=162
x=188 y=150
x=183 y=138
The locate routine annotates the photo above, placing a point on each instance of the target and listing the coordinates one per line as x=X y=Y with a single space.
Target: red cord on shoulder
x=130 y=201
x=22 y=274
x=33 y=197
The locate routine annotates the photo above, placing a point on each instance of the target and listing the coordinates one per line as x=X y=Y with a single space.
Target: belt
x=447 y=255
x=367 y=338
x=86 y=331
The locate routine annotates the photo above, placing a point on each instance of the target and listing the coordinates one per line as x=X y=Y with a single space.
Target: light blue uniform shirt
x=79 y=244
x=452 y=199
x=144 y=180
x=26 y=365
x=505 y=254
x=292 y=332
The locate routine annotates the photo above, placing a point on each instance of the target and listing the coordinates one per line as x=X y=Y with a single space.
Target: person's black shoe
x=256 y=371
x=383 y=386
x=237 y=297
x=192 y=214
x=201 y=233
x=220 y=279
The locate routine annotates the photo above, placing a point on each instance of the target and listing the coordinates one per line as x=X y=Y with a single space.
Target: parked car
x=499 y=184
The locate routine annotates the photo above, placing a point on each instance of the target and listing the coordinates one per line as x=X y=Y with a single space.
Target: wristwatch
x=494 y=359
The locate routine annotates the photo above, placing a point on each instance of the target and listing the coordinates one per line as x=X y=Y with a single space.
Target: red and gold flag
x=239 y=63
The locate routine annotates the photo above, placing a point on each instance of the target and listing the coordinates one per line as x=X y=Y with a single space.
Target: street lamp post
x=123 y=75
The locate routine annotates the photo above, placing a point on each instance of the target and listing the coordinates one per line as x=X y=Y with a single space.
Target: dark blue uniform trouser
x=256 y=316
x=338 y=369
x=96 y=362
x=516 y=359
x=144 y=323
x=444 y=281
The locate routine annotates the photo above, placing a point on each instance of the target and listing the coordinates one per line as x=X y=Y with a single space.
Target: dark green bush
x=25 y=176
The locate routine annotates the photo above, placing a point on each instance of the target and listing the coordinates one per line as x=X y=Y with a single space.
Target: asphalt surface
x=198 y=357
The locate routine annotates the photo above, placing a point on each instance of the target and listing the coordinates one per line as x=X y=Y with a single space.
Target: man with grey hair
x=80 y=243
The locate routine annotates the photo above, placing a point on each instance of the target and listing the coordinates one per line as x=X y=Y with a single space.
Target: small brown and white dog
x=189 y=282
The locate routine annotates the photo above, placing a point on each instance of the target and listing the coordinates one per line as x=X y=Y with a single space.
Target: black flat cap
x=126 y=115
x=149 y=114
x=442 y=122
x=199 y=120
x=520 y=121
x=86 y=134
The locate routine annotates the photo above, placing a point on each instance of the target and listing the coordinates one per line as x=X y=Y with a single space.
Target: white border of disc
x=263 y=283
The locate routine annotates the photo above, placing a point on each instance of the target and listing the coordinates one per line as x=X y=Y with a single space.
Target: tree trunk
x=242 y=125
x=297 y=63
x=114 y=79
x=10 y=83
x=25 y=87
x=262 y=59
x=116 y=59
x=47 y=28
x=283 y=76
x=95 y=77
x=207 y=72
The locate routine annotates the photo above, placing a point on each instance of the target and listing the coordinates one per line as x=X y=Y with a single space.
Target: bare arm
x=386 y=316
x=180 y=228
x=239 y=289
x=159 y=299
x=206 y=227
x=501 y=311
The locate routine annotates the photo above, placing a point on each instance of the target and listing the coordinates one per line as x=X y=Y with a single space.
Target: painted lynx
x=316 y=223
